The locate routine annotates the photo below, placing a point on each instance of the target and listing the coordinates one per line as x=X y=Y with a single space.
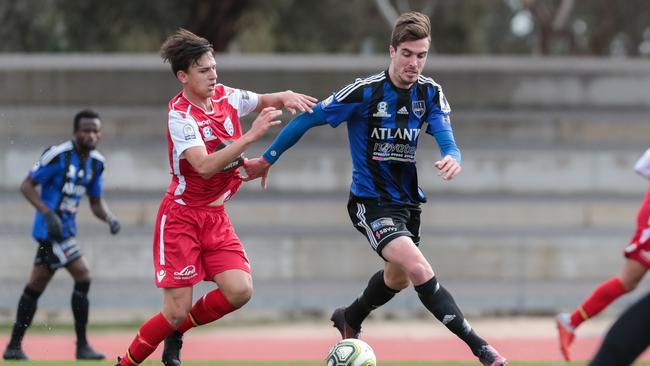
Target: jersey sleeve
x=244 y=101
x=183 y=131
x=45 y=168
x=439 y=118
x=97 y=181
x=642 y=166
x=341 y=106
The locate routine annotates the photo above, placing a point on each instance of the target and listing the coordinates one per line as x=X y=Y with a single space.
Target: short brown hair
x=183 y=48
x=410 y=26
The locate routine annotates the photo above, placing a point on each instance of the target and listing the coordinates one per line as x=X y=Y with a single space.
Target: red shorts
x=639 y=247
x=191 y=244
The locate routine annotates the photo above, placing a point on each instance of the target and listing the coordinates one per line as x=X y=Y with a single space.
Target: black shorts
x=56 y=255
x=380 y=222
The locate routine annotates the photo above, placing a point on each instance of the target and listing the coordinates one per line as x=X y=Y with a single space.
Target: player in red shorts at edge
x=637 y=263
x=194 y=239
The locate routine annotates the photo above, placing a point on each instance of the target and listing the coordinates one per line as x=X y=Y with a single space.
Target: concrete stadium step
x=486 y=128
x=301 y=273
x=473 y=212
x=291 y=299
x=342 y=253
x=317 y=168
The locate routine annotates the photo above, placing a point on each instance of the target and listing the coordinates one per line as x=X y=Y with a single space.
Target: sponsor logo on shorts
x=448 y=318
x=160 y=275
x=385 y=231
x=185 y=273
x=381 y=222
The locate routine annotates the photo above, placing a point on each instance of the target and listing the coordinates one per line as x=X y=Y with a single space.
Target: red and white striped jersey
x=190 y=126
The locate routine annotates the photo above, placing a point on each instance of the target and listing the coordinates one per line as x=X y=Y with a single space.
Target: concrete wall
x=540 y=213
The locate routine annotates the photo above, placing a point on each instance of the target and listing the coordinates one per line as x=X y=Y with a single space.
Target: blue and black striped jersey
x=64 y=178
x=384 y=123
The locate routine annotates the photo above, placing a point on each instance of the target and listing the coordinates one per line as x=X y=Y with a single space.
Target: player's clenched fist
x=448 y=167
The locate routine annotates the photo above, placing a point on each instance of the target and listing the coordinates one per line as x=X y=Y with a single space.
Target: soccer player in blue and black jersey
x=385 y=114
x=65 y=173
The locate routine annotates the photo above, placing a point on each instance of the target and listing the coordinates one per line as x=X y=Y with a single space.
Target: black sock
x=24 y=315
x=442 y=305
x=376 y=294
x=79 y=304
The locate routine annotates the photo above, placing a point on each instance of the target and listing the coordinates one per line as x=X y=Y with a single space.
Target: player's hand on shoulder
x=256 y=168
x=295 y=102
x=54 y=225
x=447 y=167
x=113 y=224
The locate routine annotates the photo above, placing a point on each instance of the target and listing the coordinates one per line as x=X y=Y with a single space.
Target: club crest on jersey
x=381 y=110
x=208 y=135
x=227 y=124
x=418 y=108
x=188 y=131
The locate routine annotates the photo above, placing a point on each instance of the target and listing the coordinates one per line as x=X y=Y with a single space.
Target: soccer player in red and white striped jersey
x=194 y=239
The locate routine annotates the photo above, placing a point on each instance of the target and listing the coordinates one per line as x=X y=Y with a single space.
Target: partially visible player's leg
x=348 y=320
x=608 y=291
x=176 y=305
x=80 y=306
x=379 y=225
x=211 y=307
x=40 y=277
x=235 y=288
x=403 y=252
x=225 y=263
x=628 y=337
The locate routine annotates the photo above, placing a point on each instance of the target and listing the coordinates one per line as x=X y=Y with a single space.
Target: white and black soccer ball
x=351 y=352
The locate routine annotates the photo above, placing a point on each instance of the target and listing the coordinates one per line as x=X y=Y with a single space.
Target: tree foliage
x=556 y=27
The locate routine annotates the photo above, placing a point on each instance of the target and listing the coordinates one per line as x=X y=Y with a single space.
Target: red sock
x=152 y=332
x=209 y=308
x=602 y=296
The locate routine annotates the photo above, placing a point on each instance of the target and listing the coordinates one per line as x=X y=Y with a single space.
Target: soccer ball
x=351 y=352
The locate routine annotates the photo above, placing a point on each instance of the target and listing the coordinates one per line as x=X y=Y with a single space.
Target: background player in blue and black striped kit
x=385 y=114
x=65 y=172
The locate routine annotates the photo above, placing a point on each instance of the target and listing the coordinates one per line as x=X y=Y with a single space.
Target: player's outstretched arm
x=293 y=102
x=295 y=129
x=209 y=164
x=100 y=209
